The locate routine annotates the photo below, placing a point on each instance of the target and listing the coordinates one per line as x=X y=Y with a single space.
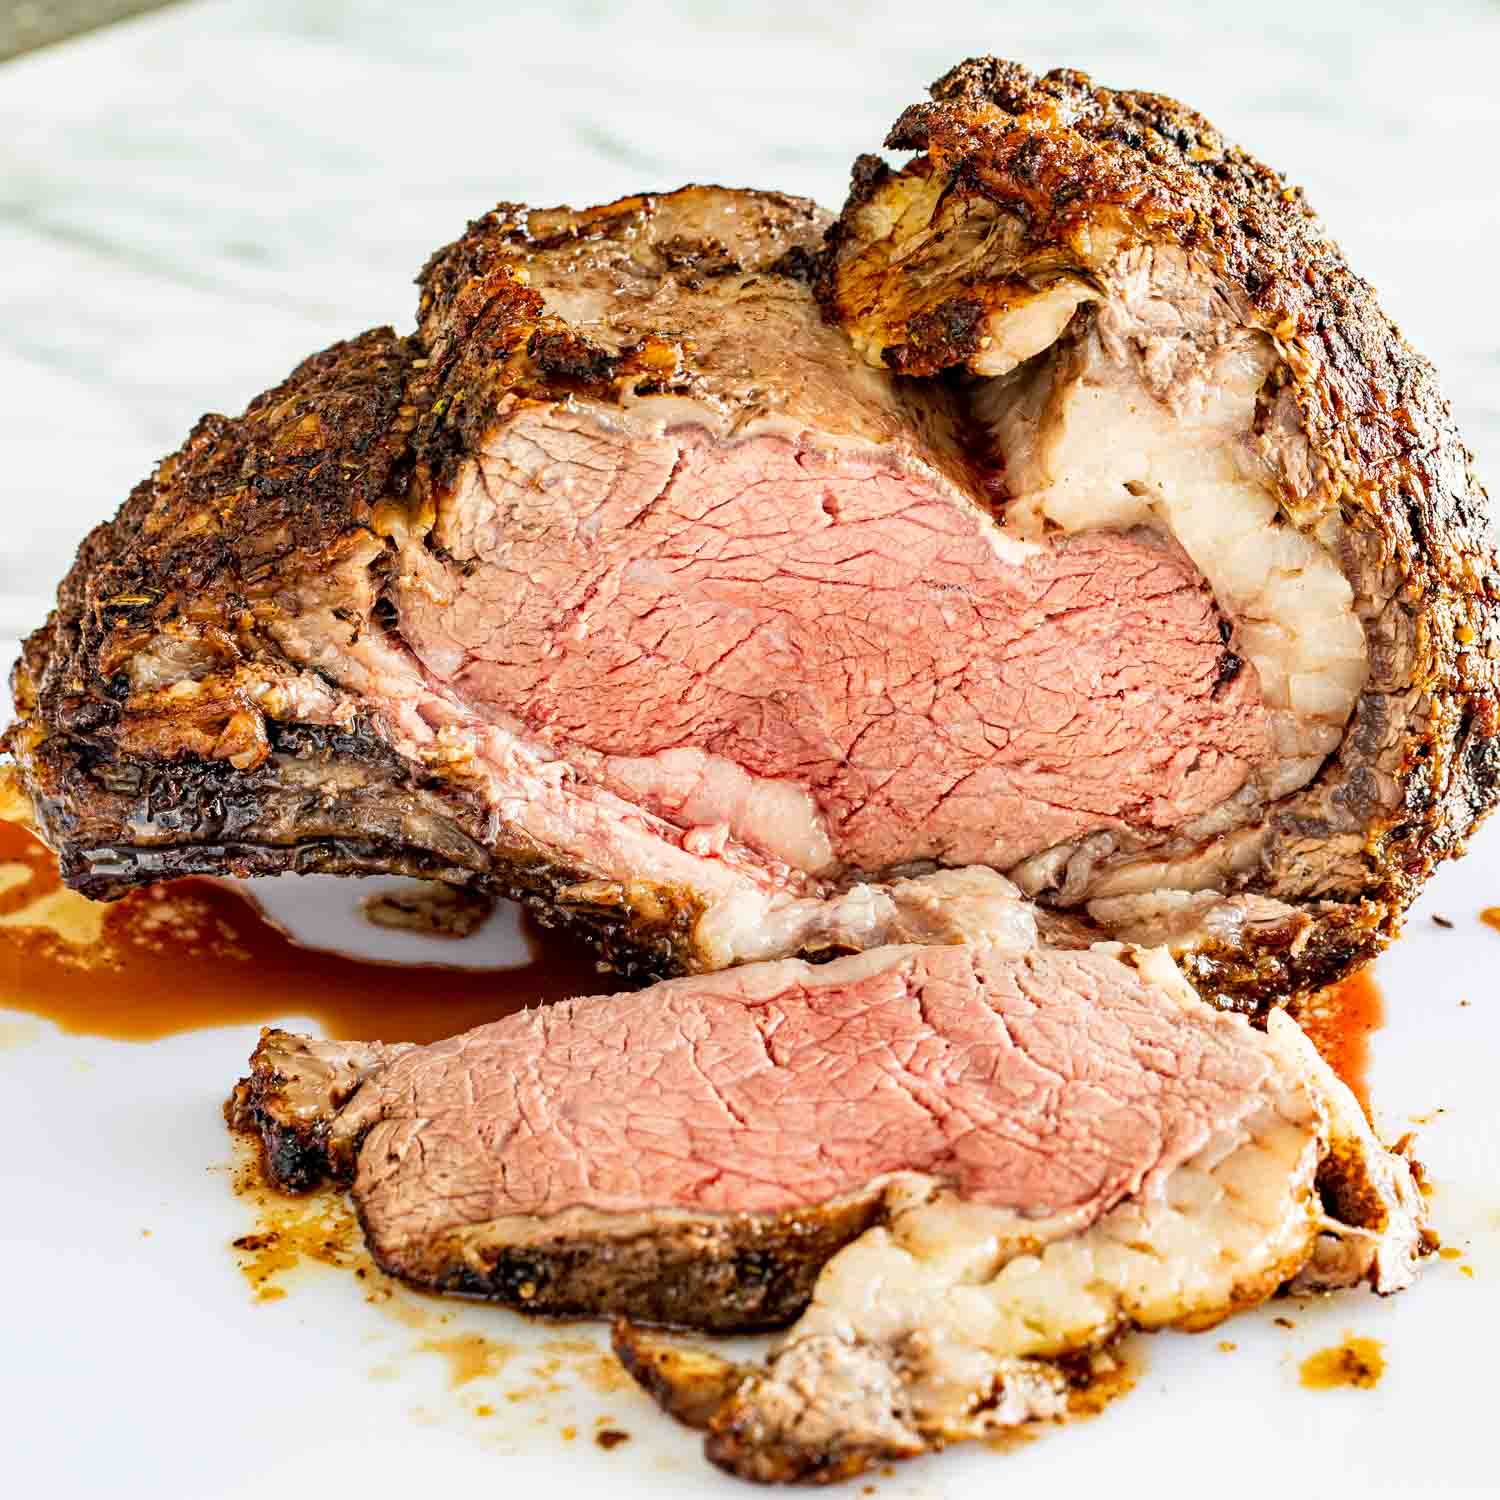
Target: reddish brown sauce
x=1339 y=1021
x=194 y=954
x=1490 y=916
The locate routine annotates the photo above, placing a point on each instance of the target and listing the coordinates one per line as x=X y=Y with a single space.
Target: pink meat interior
x=705 y=627
x=1045 y=1083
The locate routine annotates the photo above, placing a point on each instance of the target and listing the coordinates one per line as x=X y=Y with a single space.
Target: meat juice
x=1339 y=1021
x=193 y=954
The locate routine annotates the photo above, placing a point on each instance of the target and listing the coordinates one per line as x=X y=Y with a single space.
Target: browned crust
x=199 y=553
x=737 y=1442
x=722 y=1399
x=129 y=790
x=691 y=1385
x=290 y=1099
x=489 y=342
x=202 y=543
x=1061 y=154
x=1264 y=969
x=378 y=426
x=717 y=1397
x=209 y=550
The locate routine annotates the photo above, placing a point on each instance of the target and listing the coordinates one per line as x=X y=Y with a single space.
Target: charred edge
x=867 y=176
x=293 y=1159
x=797 y=264
x=1257 y=977
x=1228 y=669
x=297 y=473
x=108 y=871
x=632 y=947
x=562 y=355
x=869 y=173
x=1343 y=1183
x=79 y=782
x=753 y=1280
x=734 y=1275
x=207 y=818
x=690 y=1385
x=707 y=257
x=737 y=1444
x=1368 y=405
x=945 y=336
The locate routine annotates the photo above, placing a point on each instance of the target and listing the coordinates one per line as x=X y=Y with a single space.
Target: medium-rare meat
x=629 y=584
x=960 y=1163
x=1152 y=330
x=952 y=1321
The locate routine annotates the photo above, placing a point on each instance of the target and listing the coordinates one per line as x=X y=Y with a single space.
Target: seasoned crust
x=204 y=540
x=1069 y=166
x=490 y=340
x=290 y=1101
x=731 y=1273
x=371 y=434
x=198 y=556
x=207 y=546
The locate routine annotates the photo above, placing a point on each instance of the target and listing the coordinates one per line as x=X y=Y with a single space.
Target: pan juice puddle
x=1357 y=1362
x=1339 y=1022
x=291 y=1231
x=192 y=954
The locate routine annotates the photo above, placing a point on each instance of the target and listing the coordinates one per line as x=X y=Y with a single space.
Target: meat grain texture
x=634 y=583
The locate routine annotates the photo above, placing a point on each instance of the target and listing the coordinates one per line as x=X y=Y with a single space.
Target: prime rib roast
x=978 y=644
x=1089 y=523
x=956 y=1166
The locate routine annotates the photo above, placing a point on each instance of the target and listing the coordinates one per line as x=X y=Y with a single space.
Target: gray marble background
x=192 y=201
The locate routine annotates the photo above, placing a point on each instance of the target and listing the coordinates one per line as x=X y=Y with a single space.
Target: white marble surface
x=191 y=202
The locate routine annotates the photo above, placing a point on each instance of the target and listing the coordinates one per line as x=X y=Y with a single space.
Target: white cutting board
x=140 y=1363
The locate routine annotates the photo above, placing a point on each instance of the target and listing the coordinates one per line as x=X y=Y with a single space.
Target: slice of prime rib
x=632 y=586
x=959 y=1163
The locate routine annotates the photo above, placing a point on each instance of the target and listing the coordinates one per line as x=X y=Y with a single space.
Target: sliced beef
x=959 y=1163
x=950 y=1322
x=630 y=585
x=693 y=622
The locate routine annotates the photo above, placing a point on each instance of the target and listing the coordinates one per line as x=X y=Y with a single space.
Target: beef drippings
x=1357 y=1362
x=193 y=954
x=1339 y=1021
